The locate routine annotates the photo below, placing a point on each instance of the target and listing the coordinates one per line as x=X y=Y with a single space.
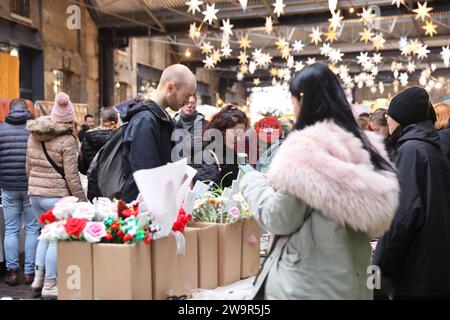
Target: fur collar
x=327 y=167
x=45 y=128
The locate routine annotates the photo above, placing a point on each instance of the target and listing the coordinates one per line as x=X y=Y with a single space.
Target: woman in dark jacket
x=443 y=125
x=414 y=255
x=94 y=140
x=220 y=162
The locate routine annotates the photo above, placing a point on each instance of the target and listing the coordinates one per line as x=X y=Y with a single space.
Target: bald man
x=147 y=140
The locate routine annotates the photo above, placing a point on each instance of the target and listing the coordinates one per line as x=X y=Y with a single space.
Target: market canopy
x=265 y=41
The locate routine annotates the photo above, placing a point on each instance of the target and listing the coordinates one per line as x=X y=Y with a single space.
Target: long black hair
x=324 y=99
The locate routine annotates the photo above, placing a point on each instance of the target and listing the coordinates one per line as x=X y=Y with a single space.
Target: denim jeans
x=16 y=206
x=46 y=251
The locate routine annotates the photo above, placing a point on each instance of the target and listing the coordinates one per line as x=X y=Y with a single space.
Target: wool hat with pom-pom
x=62 y=110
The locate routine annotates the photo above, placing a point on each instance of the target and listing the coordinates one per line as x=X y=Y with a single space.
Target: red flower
x=178 y=226
x=126 y=238
x=147 y=238
x=115 y=226
x=47 y=217
x=108 y=236
x=74 y=227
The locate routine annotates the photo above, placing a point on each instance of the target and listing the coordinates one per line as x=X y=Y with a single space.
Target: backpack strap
x=54 y=165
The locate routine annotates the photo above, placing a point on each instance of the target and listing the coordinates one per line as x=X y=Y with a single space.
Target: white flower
x=54 y=231
x=94 y=232
x=104 y=208
x=84 y=210
x=64 y=209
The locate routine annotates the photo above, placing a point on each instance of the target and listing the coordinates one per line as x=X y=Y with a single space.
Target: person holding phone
x=329 y=190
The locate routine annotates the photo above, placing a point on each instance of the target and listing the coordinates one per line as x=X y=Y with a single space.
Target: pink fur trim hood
x=327 y=167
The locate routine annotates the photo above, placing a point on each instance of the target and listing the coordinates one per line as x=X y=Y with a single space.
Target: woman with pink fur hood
x=329 y=190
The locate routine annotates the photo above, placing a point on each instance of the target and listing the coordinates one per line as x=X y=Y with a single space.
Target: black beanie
x=410 y=106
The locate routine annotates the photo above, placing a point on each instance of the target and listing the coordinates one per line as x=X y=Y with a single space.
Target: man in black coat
x=148 y=137
x=14 y=185
x=414 y=255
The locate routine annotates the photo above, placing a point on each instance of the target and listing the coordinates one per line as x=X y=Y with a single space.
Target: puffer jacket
x=323 y=201
x=94 y=140
x=62 y=147
x=13 y=150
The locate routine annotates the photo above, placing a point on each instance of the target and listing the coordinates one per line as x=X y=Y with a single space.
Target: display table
x=240 y=290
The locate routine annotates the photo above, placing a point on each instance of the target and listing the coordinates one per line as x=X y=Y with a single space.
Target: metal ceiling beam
x=162 y=28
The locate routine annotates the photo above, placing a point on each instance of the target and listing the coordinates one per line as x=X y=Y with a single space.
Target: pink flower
x=234 y=212
x=94 y=232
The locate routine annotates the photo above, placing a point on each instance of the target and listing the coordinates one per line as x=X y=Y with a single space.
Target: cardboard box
x=187 y=266
x=208 y=257
x=174 y=274
x=122 y=271
x=251 y=238
x=164 y=267
x=230 y=242
x=75 y=270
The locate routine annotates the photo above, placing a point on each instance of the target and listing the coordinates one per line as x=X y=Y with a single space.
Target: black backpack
x=108 y=163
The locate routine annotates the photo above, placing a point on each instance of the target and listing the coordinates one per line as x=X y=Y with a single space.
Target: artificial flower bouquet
x=220 y=206
x=103 y=221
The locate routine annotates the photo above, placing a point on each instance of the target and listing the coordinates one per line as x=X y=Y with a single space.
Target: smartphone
x=242 y=159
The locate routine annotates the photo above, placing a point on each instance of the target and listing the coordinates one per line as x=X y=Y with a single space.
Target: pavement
x=20 y=292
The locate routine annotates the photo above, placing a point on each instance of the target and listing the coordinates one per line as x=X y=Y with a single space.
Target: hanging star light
x=422 y=11
x=316 y=35
x=413 y=46
x=257 y=53
x=290 y=62
x=374 y=71
x=243 y=57
x=279 y=7
x=206 y=47
x=378 y=41
x=310 y=61
x=377 y=58
x=325 y=49
x=343 y=71
x=226 y=27
x=336 y=55
x=243 y=69
x=193 y=31
x=366 y=35
x=423 y=52
x=411 y=67
x=252 y=67
x=368 y=65
x=216 y=56
x=269 y=25
x=335 y=20
x=244 y=42
x=273 y=72
x=381 y=87
x=194 y=5
x=256 y=81
x=210 y=13
x=362 y=58
x=243 y=4
x=225 y=40
x=433 y=67
x=398 y=2
x=445 y=54
x=366 y=16
x=299 y=66
x=285 y=52
x=404 y=79
x=226 y=51
x=430 y=28
x=403 y=42
x=298 y=46
x=281 y=43
x=331 y=35
x=209 y=62
x=239 y=76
